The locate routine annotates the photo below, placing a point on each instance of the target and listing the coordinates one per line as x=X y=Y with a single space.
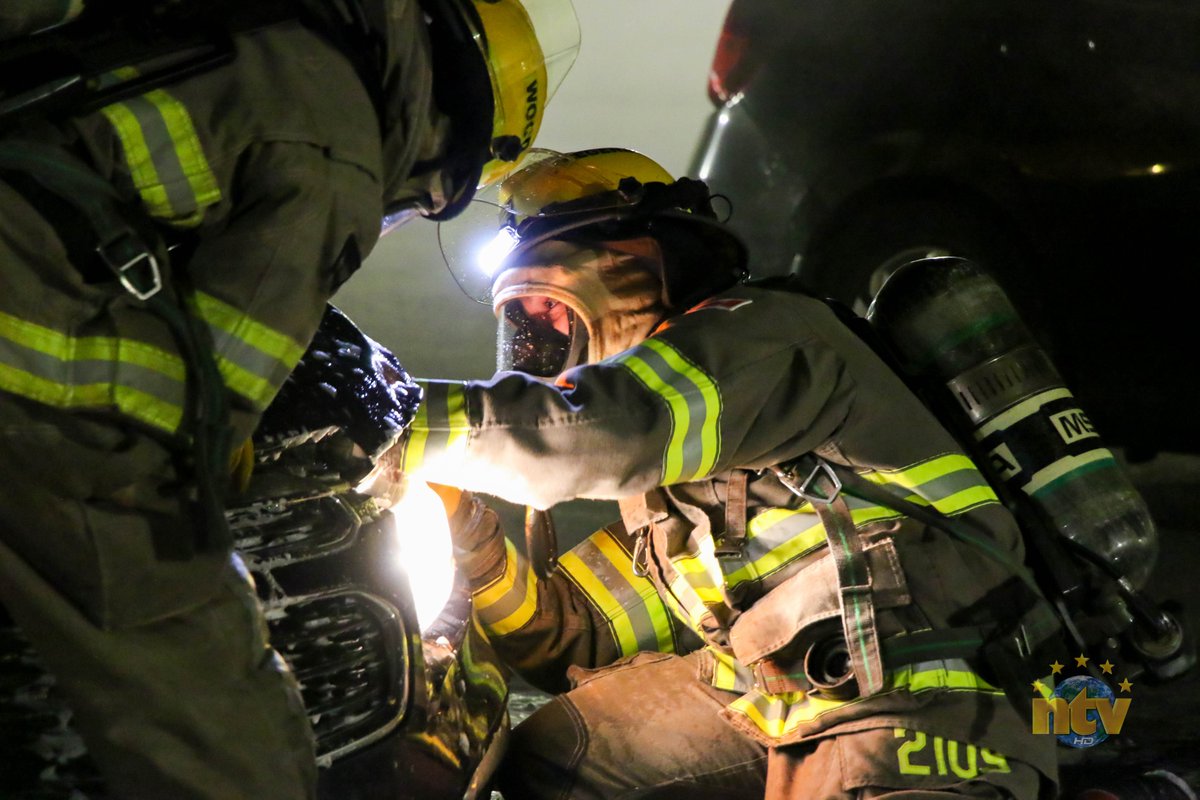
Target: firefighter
x=164 y=260
x=747 y=630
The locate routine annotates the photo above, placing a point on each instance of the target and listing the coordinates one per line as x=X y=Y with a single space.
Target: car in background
x=406 y=698
x=1057 y=144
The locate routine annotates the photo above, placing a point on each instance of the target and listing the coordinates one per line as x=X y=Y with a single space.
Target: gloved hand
x=451 y=497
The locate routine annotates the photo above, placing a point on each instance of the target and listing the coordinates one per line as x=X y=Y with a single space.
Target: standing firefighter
x=732 y=638
x=183 y=186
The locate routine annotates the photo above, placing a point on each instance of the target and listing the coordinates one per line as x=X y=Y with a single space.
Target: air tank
x=958 y=338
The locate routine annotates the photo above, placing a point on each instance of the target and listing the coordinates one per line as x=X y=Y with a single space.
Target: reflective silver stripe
x=603 y=571
x=510 y=601
x=51 y=367
x=950 y=482
x=441 y=423
x=693 y=403
x=254 y=358
x=693 y=447
x=68 y=373
x=161 y=146
x=163 y=153
x=760 y=541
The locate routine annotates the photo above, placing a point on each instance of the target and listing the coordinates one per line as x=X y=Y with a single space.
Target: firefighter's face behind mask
x=540 y=336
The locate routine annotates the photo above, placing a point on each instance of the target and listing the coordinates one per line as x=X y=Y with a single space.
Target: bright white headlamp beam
x=424 y=550
x=492 y=254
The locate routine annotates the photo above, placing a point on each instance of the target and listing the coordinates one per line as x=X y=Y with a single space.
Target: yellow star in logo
x=1106 y=667
x=1125 y=685
x=1081 y=661
x=1056 y=667
x=1039 y=687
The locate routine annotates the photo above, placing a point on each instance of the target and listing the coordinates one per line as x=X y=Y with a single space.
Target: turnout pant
x=647 y=728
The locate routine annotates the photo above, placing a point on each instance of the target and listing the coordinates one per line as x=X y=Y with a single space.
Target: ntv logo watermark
x=1082 y=710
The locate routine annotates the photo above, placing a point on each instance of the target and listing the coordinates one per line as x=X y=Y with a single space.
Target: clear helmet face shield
x=539 y=336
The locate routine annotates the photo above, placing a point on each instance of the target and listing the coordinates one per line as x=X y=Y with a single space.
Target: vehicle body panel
x=1071 y=129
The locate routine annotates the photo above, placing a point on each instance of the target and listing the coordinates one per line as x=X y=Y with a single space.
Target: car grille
x=282 y=530
x=347 y=652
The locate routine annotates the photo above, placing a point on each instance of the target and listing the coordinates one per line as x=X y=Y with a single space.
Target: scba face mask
x=540 y=336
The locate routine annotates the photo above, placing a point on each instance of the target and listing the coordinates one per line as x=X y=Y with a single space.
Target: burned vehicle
x=405 y=696
x=1054 y=143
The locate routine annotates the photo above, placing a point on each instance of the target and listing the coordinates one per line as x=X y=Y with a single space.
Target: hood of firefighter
x=611 y=291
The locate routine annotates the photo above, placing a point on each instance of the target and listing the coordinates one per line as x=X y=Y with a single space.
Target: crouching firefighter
x=813 y=592
x=183 y=187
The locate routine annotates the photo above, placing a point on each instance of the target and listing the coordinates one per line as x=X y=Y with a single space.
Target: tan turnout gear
x=270 y=176
x=811 y=630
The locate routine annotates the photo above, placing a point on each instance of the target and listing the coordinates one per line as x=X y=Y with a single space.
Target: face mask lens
x=539 y=337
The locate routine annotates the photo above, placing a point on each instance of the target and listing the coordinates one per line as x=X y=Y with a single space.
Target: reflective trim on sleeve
x=254 y=359
x=164 y=156
x=510 y=601
x=693 y=402
x=441 y=423
x=778 y=715
x=141 y=381
x=603 y=571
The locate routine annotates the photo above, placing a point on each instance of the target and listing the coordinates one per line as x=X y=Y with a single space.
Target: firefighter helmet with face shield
x=496 y=101
x=594 y=249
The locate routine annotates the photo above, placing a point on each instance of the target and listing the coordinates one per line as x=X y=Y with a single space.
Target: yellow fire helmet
x=497 y=102
x=604 y=194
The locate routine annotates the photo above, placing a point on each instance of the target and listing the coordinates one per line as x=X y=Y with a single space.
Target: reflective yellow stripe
x=692 y=603
x=279 y=346
x=728 y=674
x=254 y=359
x=622 y=628
x=929 y=470
x=129 y=401
x=710 y=431
x=187 y=147
x=780 y=715
x=951 y=482
x=657 y=612
x=164 y=156
x=418 y=434
x=456 y=414
x=441 y=423
x=137 y=158
x=791 y=549
x=103 y=348
x=693 y=404
x=517 y=582
x=51 y=367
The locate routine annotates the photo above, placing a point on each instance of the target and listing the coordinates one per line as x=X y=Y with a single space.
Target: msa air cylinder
x=956 y=334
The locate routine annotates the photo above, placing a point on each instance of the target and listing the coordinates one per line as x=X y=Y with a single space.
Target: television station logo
x=1081 y=710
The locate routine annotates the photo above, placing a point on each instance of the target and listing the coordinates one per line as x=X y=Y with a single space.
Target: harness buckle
x=808 y=488
x=134 y=265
